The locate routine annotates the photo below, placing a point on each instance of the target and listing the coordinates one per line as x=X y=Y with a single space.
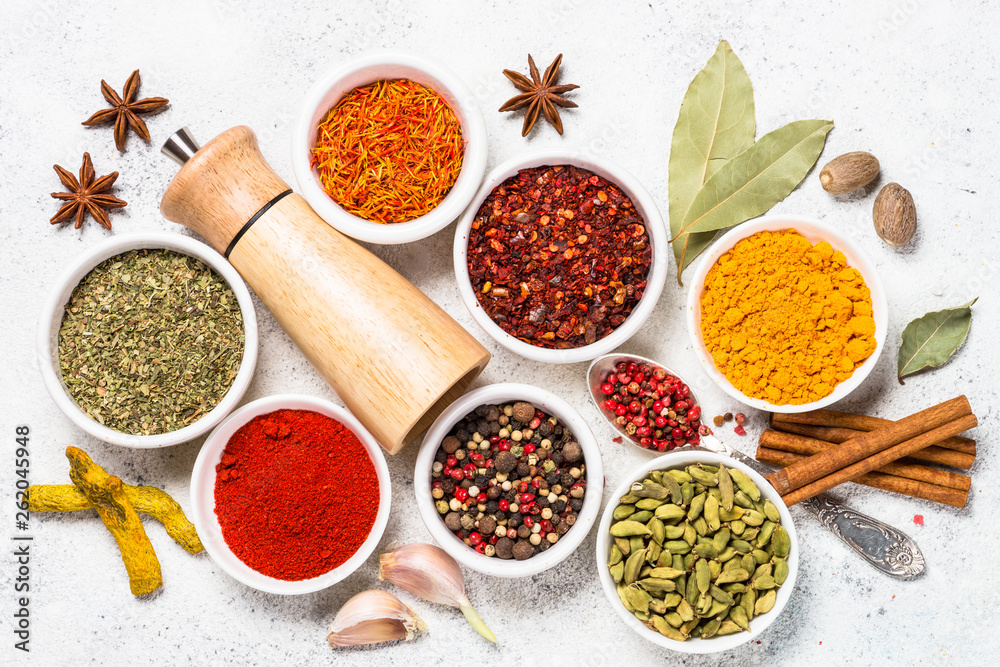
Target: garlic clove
x=371 y=617
x=428 y=572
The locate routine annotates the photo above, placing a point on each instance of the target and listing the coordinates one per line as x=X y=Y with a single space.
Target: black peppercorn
x=492 y=506
x=441 y=456
x=515 y=519
x=576 y=503
x=557 y=458
x=523 y=532
x=463 y=435
x=492 y=413
x=523 y=470
x=493 y=493
x=543 y=502
x=545 y=429
x=482 y=410
x=559 y=507
x=483 y=427
x=567 y=480
x=552 y=479
x=466 y=483
x=448 y=485
x=481 y=481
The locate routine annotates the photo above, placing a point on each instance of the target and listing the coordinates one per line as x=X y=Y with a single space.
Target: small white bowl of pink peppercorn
x=561 y=256
x=554 y=503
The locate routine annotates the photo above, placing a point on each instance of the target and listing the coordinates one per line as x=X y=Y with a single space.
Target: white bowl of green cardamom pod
x=667 y=604
x=148 y=340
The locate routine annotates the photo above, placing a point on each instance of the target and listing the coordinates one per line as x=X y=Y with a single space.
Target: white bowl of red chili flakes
x=342 y=81
x=561 y=256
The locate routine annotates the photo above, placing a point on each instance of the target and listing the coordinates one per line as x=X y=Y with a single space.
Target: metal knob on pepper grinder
x=394 y=357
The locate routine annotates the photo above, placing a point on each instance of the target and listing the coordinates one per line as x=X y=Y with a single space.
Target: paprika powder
x=296 y=494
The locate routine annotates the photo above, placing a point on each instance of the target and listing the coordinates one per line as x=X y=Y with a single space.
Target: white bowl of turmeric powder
x=787 y=314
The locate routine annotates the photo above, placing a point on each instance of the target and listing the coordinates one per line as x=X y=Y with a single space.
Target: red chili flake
x=558 y=256
x=617 y=439
x=918 y=519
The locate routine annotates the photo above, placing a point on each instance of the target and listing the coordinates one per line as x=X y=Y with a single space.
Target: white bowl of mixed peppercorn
x=561 y=256
x=509 y=480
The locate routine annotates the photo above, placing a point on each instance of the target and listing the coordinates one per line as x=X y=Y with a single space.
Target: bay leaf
x=715 y=124
x=929 y=341
x=758 y=178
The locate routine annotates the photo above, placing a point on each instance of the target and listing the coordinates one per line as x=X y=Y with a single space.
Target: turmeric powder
x=786 y=321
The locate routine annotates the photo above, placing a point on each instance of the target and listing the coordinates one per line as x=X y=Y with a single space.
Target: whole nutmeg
x=895 y=215
x=848 y=172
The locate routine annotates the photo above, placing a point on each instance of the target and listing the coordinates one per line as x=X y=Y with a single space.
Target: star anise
x=125 y=110
x=539 y=94
x=86 y=195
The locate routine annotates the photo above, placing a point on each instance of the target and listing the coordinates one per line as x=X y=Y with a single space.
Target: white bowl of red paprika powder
x=291 y=494
x=566 y=264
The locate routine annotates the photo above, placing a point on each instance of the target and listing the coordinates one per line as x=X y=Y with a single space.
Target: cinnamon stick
x=941 y=420
x=873 y=462
x=878 y=480
x=854 y=422
x=933 y=454
x=802 y=446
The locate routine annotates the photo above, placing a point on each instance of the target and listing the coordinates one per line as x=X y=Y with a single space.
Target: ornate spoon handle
x=888 y=549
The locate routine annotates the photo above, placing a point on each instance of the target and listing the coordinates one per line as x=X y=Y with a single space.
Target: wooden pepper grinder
x=393 y=356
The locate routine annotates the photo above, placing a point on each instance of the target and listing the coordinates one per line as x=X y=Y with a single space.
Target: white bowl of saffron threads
x=341 y=81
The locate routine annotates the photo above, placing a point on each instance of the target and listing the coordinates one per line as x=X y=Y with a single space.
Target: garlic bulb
x=371 y=617
x=429 y=572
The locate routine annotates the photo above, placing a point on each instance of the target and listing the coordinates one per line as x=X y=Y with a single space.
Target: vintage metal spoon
x=888 y=549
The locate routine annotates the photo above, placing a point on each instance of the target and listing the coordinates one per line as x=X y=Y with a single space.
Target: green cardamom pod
x=721 y=595
x=748 y=562
x=728 y=628
x=615 y=556
x=642 y=516
x=745 y=483
x=674 y=489
x=766 y=530
x=732 y=563
x=689 y=626
x=780 y=572
x=705 y=603
x=636 y=542
x=765 y=602
x=673 y=619
x=657 y=530
x=689 y=560
x=677 y=546
x=617 y=570
x=655 y=586
x=677 y=562
x=743 y=500
x=623 y=512
x=718 y=609
x=737 y=527
x=671 y=600
x=623 y=545
x=771 y=512
x=726 y=554
x=753 y=518
x=656 y=606
x=691 y=593
x=628 y=529
x=697 y=504
x=629 y=499
x=702 y=575
x=738 y=615
x=669 y=512
x=641 y=615
x=731 y=576
x=685 y=611
x=711 y=513
x=653 y=550
x=760 y=557
x=620 y=589
x=656 y=476
x=649 y=490
x=735 y=588
x=649 y=503
x=735 y=514
x=710 y=629
x=741 y=545
x=679 y=476
x=764 y=583
x=632 y=566
x=715 y=568
x=781 y=542
x=687 y=493
x=726 y=488
x=673 y=532
x=638 y=599
x=702 y=476
x=748 y=600
x=690 y=534
x=750 y=534
x=666 y=573
x=721 y=538
x=705 y=551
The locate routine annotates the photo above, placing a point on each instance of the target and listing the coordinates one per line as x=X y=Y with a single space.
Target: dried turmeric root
x=107 y=495
x=144 y=499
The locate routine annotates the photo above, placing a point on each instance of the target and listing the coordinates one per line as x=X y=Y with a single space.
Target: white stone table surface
x=913 y=81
